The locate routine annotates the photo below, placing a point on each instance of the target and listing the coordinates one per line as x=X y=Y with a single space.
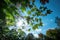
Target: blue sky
x=49 y=20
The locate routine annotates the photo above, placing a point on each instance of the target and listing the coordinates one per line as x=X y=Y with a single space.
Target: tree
x=9 y=12
x=30 y=37
x=41 y=36
x=52 y=33
x=44 y=1
x=57 y=21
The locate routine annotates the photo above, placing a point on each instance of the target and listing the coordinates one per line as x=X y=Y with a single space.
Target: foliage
x=51 y=33
x=57 y=21
x=9 y=12
x=44 y=1
x=54 y=33
x=30 y=37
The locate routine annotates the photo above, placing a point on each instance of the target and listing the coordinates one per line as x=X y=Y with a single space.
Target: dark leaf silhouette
x=44 y=1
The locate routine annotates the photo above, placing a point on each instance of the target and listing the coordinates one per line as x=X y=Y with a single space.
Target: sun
x=21 y=23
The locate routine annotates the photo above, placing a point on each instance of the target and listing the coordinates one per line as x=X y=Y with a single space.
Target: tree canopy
x=9 y=12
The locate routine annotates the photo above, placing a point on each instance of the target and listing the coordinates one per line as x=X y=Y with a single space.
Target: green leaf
x=29 y=12
x=41 y=24
x=29 y=29
x=28 y=19
x=48 y=11
x=33 y=9
x=35 y=26
x=36 y=19
x=21 y=32
x=23 y=9
x=30 y=6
